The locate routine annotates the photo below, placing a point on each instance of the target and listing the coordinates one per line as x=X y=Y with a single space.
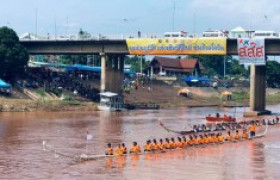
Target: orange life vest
x=135 y=149
x=220 y=138
x=196 y=141
x=215 y=139
x=161 y=146
x=173 y=145
x=167 y=145
x=206 y=140
x=110 y=151
x=229 y=138
x=201 y=140
x=155 y=146
x=120 y=151
x=148 y=147
x=252 y=128
x=245 y=135
x=180 y=144
x=237 y=136
x=191 y=142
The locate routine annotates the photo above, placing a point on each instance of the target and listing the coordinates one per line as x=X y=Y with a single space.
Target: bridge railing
x=94 y=37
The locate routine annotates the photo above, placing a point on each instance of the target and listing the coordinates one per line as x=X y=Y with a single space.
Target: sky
x=115 y=17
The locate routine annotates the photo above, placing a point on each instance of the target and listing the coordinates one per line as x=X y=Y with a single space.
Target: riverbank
x=28 y=105
x=166 y=97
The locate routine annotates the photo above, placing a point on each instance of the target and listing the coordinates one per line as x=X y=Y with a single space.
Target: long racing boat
x=85 y=157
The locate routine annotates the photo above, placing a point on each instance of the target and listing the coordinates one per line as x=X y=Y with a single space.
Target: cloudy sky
x=128 y=16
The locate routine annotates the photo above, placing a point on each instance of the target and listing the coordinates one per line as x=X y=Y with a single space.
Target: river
x=22 y=155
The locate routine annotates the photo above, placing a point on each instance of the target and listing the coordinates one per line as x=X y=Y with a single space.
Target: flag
x=89 y=136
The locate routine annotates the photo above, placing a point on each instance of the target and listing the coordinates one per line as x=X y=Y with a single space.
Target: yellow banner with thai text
x=177 y=46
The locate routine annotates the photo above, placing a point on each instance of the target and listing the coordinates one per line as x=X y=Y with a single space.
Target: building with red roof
x=175 y=67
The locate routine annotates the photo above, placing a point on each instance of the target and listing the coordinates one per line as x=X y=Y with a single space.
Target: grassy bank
x=21 y=105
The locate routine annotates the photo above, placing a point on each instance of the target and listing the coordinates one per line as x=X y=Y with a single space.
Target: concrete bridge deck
x=57 y=47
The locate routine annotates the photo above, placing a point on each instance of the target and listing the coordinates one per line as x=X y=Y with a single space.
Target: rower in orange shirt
x=167 y=144
x=229 y=137
x=110 y=150
x=206 y=139
x=148 y=146
x=155 y=145
x=252 y=129
x=237 y=136
x=161 y=145
x=201 y=139
x=215 y=138
x=135 y=148
x=196 y=140
x=220 y=137
x=191 y=141
x=185 y=143
x=211 y=138
x=245 y=134
x=179 y=143
x=173 y=144
x=119 y=151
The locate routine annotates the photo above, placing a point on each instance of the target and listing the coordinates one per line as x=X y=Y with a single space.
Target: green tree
x=135 y=62
x=234 y=68
x=214 y=66
x=13 y=56
x=273 y=73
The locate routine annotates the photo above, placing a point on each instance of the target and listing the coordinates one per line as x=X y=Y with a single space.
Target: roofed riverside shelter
x=175 y=67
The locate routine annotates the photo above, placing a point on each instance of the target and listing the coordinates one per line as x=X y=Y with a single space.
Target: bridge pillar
x=257 y=91
x=112 y=74
x=117 y=74
x=103 y=72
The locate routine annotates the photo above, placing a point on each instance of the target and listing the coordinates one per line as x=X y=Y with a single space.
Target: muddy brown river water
x=22 y=155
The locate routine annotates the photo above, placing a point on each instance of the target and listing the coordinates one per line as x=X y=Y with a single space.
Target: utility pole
x=36 y=22
x=194 y=24
x=55 y=27
x=67 y=26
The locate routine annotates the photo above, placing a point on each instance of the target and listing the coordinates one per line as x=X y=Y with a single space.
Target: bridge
x=115 y=50
x=86 y=47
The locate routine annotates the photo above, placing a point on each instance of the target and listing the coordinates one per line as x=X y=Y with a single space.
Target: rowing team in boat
x=223 y=126
x=181 y=142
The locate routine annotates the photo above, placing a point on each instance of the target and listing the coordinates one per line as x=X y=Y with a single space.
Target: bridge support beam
x=103 y=72
x=257 y=92
x=112 y=73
